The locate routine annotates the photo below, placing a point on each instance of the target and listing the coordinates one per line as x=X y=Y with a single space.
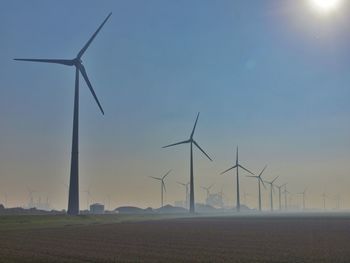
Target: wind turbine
x=271 y=190
x=192 y=142
x=162 y=184
x=73 y=202
x=236 y=166
x=207 y=189
x=285 y=192
x=324 y=196
x=280 y=195
x=260 y=180
x=5 y=199
x=31 y=198
x=245 y=195
x=186 y=186
x=303 y=195
x=338 y=199
x=221 y=196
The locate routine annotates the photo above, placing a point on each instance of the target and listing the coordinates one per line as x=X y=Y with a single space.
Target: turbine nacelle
x=77 y=61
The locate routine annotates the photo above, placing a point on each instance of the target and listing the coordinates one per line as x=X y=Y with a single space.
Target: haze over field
x=270 y=76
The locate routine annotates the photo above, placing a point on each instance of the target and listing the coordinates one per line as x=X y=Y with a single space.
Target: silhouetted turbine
x=73 y=202
x=191 y=141
x=162 y=185
x=271 y=190
x=237 y=165
x=259 y=187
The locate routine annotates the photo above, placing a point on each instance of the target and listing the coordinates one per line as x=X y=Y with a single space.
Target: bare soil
x=211 y=239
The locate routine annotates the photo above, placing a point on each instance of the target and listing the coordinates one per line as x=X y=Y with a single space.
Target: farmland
x=169 y=238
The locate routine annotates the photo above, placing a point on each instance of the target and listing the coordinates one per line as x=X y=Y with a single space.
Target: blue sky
x=271 y=76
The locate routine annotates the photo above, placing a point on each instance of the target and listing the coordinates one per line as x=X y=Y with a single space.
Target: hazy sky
x=270 y=76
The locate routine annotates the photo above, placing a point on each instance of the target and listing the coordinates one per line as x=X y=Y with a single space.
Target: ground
x=154 y=238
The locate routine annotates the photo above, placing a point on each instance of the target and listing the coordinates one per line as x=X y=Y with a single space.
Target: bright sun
x=326 y=6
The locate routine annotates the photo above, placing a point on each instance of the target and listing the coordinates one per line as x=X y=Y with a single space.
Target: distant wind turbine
x=162 y=185
x=221 y=197
x=271 y=190
x=260 y=180
x=186 y=186
x=5 y=199
x=324 y=196
x=338 y=199
x=31 y=198
x=245 y=195
x=207 y=189
x=279 y=187
x=73 y=202
x=236 y=166
x=303 y=196
x=285 y=192
x=192 y=142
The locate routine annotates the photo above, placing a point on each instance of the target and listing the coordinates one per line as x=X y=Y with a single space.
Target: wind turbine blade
x=262 y=171
x=237 y=155
x=81 y=52
x=194 y=127
x=274 y=179
x=252 y=176
x=195 y=143
x=262 y=183
x=233 y=167
x=83 y=72
x=156 y=178
x=166 y=174
x=210 y=186
x=181 y=183
x=66 y=62
x=177 y=143
x=245 y=169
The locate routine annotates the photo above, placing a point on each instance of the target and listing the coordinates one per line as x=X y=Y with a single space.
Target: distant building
x=97 y=208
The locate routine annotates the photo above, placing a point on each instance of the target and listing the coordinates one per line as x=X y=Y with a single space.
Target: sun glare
x=326 y=6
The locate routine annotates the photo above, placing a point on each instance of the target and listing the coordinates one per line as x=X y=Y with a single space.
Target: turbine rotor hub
x=77 y=61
